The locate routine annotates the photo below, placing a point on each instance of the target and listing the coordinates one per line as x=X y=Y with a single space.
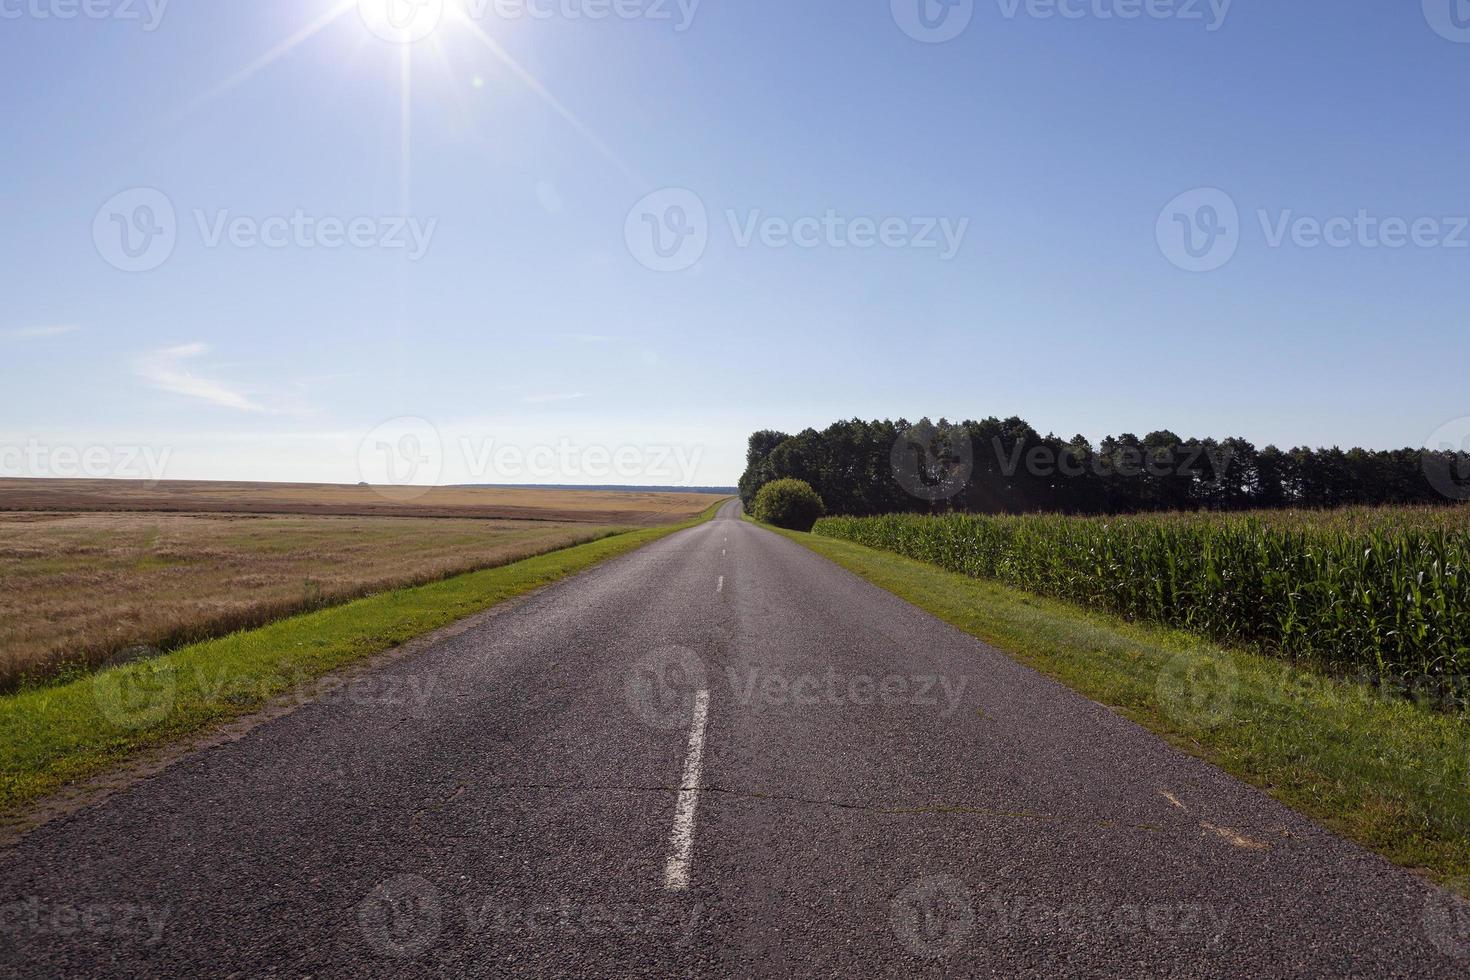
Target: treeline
x=997 y=467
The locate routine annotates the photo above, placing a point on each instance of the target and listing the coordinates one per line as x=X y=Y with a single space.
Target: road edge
x=70 y=796
x=1268 y=692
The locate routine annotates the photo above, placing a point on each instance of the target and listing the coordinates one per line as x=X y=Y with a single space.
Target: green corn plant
x=1385 y=591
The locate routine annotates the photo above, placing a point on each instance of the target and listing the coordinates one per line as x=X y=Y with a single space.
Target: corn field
x=1350 y=592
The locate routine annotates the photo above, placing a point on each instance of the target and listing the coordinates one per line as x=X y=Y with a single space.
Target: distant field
x=93 y=569
x=508 y=503
x=81 y=587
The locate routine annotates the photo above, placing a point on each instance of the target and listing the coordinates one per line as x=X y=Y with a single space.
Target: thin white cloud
x=36 y=333
x=551 y=399
x=166 y=370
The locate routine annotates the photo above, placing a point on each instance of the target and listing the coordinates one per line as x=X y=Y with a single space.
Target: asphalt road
x=721 y=754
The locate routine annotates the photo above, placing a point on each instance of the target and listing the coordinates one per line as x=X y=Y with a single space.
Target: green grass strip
x=1384 y=771
x=55 y=735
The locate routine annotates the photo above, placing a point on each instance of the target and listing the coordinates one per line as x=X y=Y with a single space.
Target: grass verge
x=52 y=736
x=1386 y=772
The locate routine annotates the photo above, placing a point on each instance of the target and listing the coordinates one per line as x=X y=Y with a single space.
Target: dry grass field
x=506 y=503
x=93 y=570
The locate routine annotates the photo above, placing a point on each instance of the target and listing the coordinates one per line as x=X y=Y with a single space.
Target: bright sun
x=409 y=24
x=402 y=21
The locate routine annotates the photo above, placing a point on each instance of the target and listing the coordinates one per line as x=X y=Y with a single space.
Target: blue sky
x=497 y=293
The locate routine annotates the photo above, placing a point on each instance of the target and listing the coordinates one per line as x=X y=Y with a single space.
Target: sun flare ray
x=534 y=84
x=330 y=16
x=458 y=16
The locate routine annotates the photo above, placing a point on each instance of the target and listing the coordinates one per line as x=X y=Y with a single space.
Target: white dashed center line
x=721 y=586
x=681 y=841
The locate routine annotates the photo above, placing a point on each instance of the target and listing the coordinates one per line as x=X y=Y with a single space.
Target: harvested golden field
x=80 y=588
x=509 y=503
